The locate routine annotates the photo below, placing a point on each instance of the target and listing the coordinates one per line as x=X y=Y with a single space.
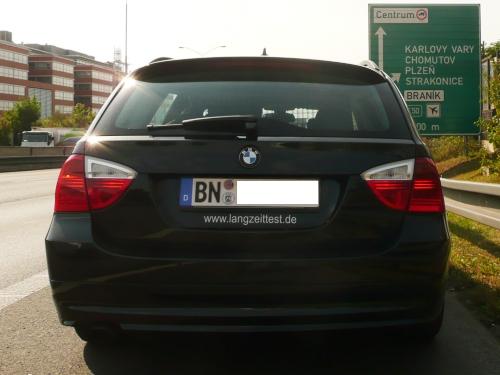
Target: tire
x=426 y=332
x=101 y=334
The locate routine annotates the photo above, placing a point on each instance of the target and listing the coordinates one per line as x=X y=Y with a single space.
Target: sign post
x=433 y=54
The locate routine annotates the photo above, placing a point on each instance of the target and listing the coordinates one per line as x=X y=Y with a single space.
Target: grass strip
x=475 y=268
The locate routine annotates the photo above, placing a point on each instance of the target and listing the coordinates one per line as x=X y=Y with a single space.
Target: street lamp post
x=201 y=54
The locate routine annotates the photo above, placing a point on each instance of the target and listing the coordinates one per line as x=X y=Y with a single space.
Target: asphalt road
x=33 y=342
x=26 y=203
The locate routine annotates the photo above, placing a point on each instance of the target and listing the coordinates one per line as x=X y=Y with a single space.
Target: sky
x=319 y=29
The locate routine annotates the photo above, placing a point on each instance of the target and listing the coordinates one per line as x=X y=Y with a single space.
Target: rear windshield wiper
x=217 y=127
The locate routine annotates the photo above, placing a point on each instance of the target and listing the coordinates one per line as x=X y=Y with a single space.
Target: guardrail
x=27 y=163
x=35 y=151
x=474 y=200
x=30 y=158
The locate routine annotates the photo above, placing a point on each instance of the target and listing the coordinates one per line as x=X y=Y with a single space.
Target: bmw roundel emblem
x=249 y=156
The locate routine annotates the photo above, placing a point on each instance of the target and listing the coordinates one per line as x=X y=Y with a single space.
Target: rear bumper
x=91 y=286
x=199 y=319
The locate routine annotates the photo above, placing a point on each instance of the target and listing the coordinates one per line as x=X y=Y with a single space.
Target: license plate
x=227 y=192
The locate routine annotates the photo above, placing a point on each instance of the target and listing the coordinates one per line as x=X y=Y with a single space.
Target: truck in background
x=61 y=134
x=37 y=139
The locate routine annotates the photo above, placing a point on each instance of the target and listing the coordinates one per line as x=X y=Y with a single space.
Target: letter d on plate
x=186 y=192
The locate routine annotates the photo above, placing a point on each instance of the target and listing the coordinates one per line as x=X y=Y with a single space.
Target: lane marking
x=15 y=292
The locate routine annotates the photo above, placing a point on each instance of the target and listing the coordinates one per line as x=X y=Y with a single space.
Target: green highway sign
x=432 y=52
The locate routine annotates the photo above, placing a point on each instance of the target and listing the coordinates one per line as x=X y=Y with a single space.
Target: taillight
x=409 y=185
x=87 y=183
x=391 y=183
x=106 y=181
x=426 y=194
x=71 y=195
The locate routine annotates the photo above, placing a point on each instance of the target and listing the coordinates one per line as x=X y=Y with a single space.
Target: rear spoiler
x=255 y=67
x=372 y=66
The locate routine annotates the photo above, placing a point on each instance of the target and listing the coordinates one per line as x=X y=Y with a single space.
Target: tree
x=493 y=50
x=5 y=132
x=491 y=124
x=22 y=117
x=57 y=120
x=82 y=116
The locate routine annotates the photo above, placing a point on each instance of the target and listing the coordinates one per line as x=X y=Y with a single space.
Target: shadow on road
x=332 y=353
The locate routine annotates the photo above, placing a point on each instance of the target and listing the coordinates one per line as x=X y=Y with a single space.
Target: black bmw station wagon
x=249 y=194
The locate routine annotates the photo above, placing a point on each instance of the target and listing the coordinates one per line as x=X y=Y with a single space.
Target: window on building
x=13 y=73
x=102 y=88
x=63 y=95
x=62 y=81
x=46 y=79
x=102 y=76
x=20 y=74
x=98 y=99
x=83 y=86
x=9 y=89
x=44 y=97
x=66 y=109
x=13 y=56
x=83 y=74
x=61 y=67
x=39 y=65
x=6 y=105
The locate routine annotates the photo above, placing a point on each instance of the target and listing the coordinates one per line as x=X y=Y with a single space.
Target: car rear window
x=350 y=109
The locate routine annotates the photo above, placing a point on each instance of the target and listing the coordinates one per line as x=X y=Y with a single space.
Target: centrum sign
x=432 y=52
x=400 y=15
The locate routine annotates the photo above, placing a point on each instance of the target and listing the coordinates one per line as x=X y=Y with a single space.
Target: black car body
x=128 y=246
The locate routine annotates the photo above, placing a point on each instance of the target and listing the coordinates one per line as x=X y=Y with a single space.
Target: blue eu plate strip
x=186 y=192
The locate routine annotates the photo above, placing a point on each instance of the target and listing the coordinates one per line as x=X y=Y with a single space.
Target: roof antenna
x=264 y=52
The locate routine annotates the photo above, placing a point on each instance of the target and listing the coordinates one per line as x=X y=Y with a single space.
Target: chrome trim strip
x=133 y=138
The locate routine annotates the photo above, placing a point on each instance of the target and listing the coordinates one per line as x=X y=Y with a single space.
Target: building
x=59 y=78
x=93 y=80
x=13 y=71
x=58 y=73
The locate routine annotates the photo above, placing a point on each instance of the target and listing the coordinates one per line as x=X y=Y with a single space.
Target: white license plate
x=227 y=192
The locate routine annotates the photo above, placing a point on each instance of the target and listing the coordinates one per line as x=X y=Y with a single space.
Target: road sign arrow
x=380 y=33
x=396 y=77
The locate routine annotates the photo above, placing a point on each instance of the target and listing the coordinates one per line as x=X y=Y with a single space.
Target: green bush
x=74 y=134
x=491 y=126
x=448 y=147
x=22 y=117
x=81 y=117
x=5 y=132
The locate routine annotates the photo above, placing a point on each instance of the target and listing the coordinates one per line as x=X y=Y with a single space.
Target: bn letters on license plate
x=227 y=192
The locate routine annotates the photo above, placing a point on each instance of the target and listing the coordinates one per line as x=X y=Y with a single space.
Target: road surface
x=33 y=342
x=26 y=203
